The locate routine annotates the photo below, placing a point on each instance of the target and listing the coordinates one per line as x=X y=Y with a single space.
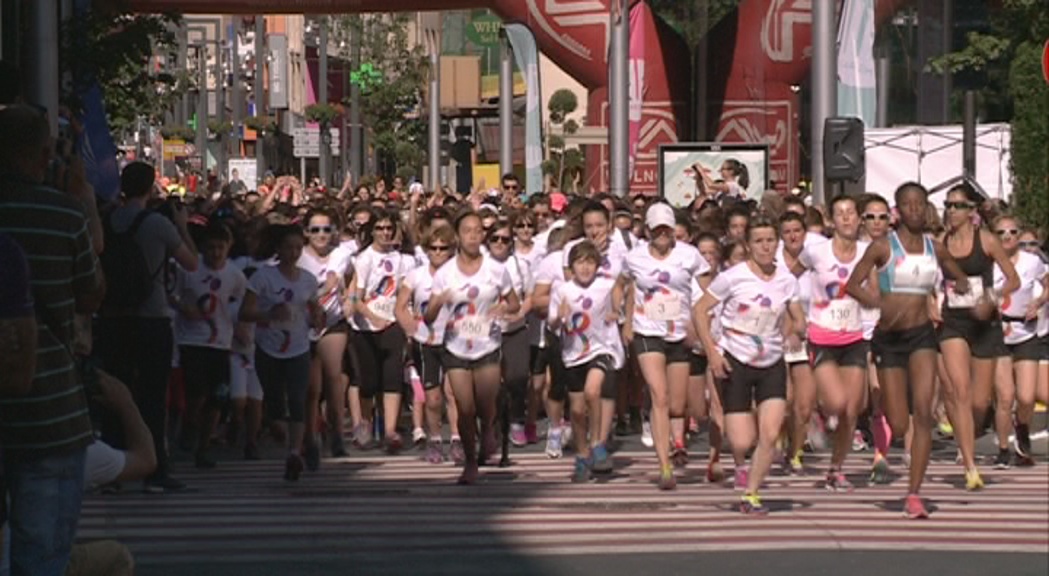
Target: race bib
x=663 y=307
x=473 y=327
x=841 y=316
x=968 y=300
x=383 y=307
x=799 y=355
x=756 y=321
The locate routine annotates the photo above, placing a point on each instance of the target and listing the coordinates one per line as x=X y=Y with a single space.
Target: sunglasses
x=438 y=248
x=511 y=187
x=1007 y=232
x=525 y=225
x=383 y=228
x=500 y=239
x=1029 y=244
x=958 y=205
x=320 y=229
x=870 y=217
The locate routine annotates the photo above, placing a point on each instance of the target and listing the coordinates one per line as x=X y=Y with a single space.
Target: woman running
x=282 y=301
x=1017 y=372
x=837 y=349
x=1029 y=243
x=330 y=265
x=585 y=310
x=971 y=335
x=757 y=297
x=475 y=292
x=379 y=270
x=659 y=274
x=908 y=263
x=704 y=399
x=413 y=299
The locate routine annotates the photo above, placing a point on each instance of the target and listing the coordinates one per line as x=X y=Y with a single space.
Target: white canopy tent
x=932 y=155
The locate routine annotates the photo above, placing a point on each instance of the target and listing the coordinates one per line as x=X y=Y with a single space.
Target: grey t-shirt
x=158 y=239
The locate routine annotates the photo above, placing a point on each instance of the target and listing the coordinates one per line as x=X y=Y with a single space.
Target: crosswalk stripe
x=365 y=505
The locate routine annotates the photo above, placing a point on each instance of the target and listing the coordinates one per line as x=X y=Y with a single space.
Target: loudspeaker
x=843 y=157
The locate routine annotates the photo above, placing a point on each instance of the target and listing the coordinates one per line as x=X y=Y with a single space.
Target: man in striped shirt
x=44 y=433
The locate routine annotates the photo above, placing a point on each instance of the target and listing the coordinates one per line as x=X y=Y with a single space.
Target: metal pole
x=324 y=163
x=883 y=73
x=183 y=58
x=619 y=101
x=202 y=106
x=824 y=80
x=260 y=97
x=506 y=107
x=700 y=72
x=435 y=111
x=41 y=74
x=236 y=100
x=356 y=142
x=220 y=102
x=969 y=135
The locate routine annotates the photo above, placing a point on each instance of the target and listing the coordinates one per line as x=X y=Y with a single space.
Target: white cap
x=660 y=214
x=415 y=187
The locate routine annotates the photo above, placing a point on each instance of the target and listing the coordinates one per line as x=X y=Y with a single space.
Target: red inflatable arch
x=755 y=57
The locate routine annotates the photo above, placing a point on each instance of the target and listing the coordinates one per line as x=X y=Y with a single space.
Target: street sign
x=306 y=142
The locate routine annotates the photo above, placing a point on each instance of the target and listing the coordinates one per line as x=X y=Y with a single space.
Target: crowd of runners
x=770 y=324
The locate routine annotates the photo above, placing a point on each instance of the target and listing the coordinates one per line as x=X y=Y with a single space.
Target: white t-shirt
x=550 y=273
x=663 y=289
x=522 y=281
x=470 y=332
x=211 y=291
x=586 y=334
x=335 y=265
x=420 y=282
x=753 y=312
x=284 y=339
x=613 y=257
x=103 y=464
x=1031 y=270
x=809 y=241
x=379 y=275
x=715 y=319
x=832 y=314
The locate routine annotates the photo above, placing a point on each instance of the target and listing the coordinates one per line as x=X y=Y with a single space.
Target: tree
x=390 y=73
x=116 y=50
x=563 y=161
x=1006 y=61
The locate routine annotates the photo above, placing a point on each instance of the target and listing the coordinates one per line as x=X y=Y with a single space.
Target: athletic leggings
x=380 y=359
x=516 y=369
x=284 y=383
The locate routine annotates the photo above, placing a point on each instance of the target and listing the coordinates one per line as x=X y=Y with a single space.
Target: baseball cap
x=659 y=214
x=558 y=202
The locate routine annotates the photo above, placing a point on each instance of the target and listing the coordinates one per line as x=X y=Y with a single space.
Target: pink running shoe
x=742 y=474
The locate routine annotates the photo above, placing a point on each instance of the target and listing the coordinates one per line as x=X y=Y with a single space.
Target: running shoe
x=859 y=443
x=913 y=507
x=622 y=427
x=362 y=437
x=1003 y=461
x=816 y=437
x=553 y=443
x=456 y=452
x=1022 y=446
x=394 y=443
x=581 y=472
x=469 y=475
x=973 y=482
x=434 y=452
x=602 y=463
x=741 y=475
x=531 y=433
x=636 y=421
x=517 y=435
x=566 y=433
x=837 y=482
x=832 y=423
x=667 y=481
x=679 y=455
x=750 y=504
x=881 y=473
x=646 y=434
x=293 y=466
x=312 y=455
x=796 y=466
x=906 y=459
x=489 y=446
x=418 y=437
x=715 y=473
x=945 y=429
x=338 y=447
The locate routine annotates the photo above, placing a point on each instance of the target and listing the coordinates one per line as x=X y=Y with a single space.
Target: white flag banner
x=527 y=56
x=857 y=87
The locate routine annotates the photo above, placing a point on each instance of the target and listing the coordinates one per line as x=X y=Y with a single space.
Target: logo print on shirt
x=579 y=322
x=462 y=310
x=208 y=304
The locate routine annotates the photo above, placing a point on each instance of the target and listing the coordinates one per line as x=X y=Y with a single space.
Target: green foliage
x=261 y=124
x=116 y=49
x=1030 y=136
x=323 y=113
x=176 y=132
x=219 y=129
x=1007 y=59
x=562 y=104
x=391 y=73
x=566 y=165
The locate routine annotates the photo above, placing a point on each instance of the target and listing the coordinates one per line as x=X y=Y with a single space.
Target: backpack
x=129 y=281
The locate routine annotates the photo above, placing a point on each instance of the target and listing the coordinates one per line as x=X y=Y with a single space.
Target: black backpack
x=129 y=281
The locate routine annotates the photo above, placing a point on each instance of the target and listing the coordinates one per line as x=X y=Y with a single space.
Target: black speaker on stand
x=843 y=158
